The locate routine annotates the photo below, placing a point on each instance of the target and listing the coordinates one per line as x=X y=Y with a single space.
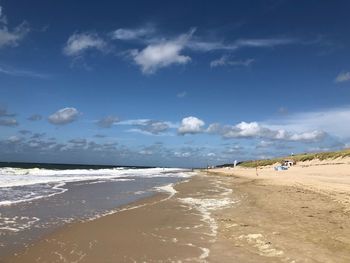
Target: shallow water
x=34 y=202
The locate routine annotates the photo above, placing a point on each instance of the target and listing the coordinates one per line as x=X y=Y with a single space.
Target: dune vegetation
x=297 y=158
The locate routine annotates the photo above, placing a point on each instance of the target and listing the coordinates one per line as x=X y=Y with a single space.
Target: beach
x=220 y=215
x=174 y=227
x=37 y=201
x=174 y=131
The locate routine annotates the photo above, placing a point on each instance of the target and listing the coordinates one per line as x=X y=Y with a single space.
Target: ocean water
x=36 y=201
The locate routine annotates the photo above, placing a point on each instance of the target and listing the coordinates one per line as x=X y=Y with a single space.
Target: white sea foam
x=140 y=192
x=205 y=253
x=20 y=185
x=259 y=241
x=168 y=189
x=38 y=193
x=16 y=223
x=110 y=180
x=206 y=206
x=19 y=177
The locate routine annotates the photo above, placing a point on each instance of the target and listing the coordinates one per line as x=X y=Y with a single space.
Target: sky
x=172 y=83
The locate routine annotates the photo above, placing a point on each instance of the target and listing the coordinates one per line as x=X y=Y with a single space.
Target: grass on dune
x=298 y=158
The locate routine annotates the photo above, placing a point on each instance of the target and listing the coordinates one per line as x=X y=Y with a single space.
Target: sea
x=38 y=199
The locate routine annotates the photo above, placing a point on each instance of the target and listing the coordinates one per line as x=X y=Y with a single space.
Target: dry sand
x=328 y=177
x=300 y=215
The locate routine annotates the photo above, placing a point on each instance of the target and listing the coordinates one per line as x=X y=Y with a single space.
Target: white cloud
x=12 y=37
x=219 y=62
x=132 y=34
x=233 y=149
x=205 y=46
x=214 y=128
x=282 y=110
x=22 y=73
x=307 y=136
x=145 y=152
x=162 y=54
x=248 y=129
x=333 y=121
x=14 y=139
x=148 y=34
x=78 y=43
x=303 y=127
x=343 y=77
x=241 y=130
x=149 y=127
x=35 y=117
x=181 y=94
x=320 y=149
x=5 y=113
x=3 y=18
x=156 y=149
x=255 y=130
x=182 y=154
x=8 y=122
x=155 y=127
x=191 y=125
x=107 y=121
x=265 y=42
x=134 y=122
x=64 y=116
x=225 y=61
x=78 y=142
x=264 y=144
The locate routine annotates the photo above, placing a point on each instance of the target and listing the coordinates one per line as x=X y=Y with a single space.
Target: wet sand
x=162 y=228
x=211 y=218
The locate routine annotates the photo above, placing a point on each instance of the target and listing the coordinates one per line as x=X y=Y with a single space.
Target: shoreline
x=223 y=216
x=159 y=194
x=26 y=222
x=147 y=224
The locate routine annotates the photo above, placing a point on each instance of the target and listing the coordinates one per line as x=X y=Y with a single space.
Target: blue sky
x=181 y=83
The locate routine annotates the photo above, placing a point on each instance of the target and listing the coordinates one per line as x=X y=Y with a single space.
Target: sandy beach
x=223 y=215
x=174 y=131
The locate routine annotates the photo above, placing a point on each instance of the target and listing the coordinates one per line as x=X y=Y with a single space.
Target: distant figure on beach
x=235 y=163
